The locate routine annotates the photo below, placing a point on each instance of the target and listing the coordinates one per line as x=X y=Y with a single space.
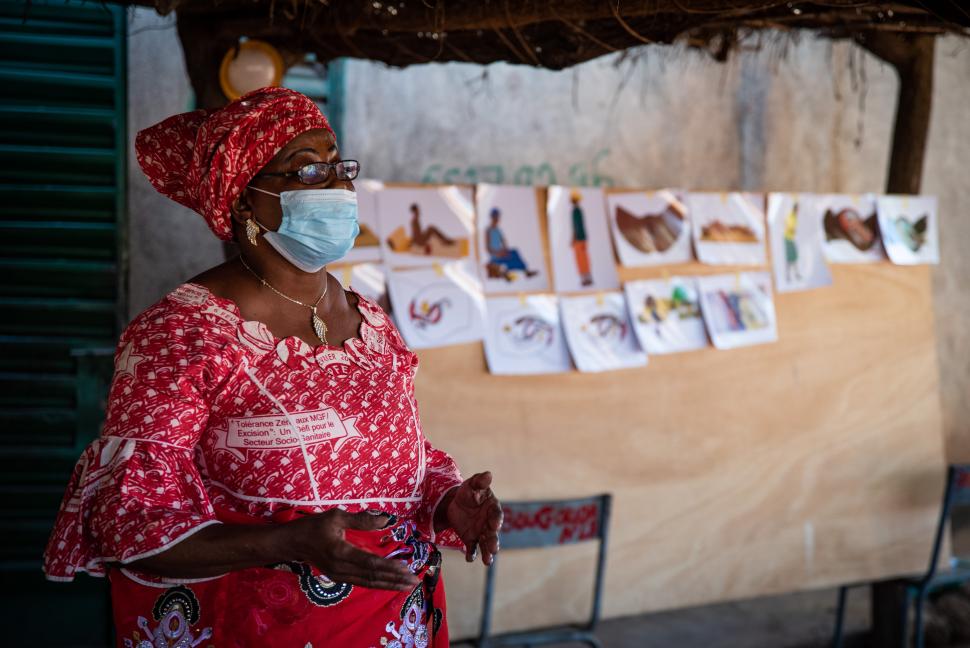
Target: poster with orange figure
x=424 y=226
x=438 y=306
x=367 y=245
x=650 y=227
x=599 y=333
x=579 y=239
x=729 y=228
x=523 y=336
x=850 y=227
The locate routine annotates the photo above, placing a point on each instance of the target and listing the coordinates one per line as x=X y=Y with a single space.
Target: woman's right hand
x=319 y=539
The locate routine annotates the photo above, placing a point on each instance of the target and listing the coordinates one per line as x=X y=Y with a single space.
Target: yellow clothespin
x=724 y=197
x=600 y=300
x=737 y=281
x=665 y=273
x=523 y=299
x=348 y=275
x=905 y=203
x=438 y=269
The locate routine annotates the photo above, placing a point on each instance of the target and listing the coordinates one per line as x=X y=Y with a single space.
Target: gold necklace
x=319 y=326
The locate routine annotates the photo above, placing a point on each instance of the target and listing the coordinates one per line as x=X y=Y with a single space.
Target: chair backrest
x=551 y=523
x=956 y=493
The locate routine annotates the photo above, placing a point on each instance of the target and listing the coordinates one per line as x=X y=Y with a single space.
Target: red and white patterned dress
x=211 y=419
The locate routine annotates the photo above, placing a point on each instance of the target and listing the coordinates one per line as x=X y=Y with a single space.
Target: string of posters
x=462 y=264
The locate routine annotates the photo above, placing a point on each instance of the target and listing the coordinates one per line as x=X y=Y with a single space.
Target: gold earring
x=252 y=230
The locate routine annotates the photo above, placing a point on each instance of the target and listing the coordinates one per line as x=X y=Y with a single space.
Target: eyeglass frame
x=331 y=166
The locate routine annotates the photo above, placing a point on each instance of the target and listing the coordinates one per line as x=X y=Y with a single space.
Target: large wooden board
x=813 y=461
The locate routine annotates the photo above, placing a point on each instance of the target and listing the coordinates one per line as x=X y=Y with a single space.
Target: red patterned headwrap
x=204 y=159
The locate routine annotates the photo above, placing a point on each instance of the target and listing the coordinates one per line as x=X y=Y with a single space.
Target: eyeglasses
x=317 y=172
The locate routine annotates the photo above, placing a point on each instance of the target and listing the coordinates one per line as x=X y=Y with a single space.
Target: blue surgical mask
x=319 y=226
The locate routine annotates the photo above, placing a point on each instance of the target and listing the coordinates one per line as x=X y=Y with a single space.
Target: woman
x=262 y=478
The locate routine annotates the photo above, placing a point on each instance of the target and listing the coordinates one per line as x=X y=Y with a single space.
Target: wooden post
x=912 y=57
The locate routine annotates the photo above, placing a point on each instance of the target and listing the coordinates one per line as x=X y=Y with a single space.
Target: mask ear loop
x=254 y=219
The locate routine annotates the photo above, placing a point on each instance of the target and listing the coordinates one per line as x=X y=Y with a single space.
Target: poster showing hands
x=523 y=336
x=367 y=245
x=738 y=309
x=795 y=238
x=599 y=333
x=510 y=252
x=850 y=227
x=438 y=306
x=729 y=228
x=650 y=227
x=582 y=259
x=666 y=314
x=910 y=229
x=425 y=226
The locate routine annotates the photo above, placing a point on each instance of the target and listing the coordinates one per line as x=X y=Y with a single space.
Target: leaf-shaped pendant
x=319 y=327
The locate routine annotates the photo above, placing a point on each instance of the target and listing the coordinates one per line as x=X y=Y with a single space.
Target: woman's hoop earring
x=252 y=231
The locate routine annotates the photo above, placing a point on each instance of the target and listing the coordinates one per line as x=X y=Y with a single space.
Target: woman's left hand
x=475 y=514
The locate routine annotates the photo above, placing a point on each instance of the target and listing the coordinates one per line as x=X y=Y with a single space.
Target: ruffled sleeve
x=136 y=491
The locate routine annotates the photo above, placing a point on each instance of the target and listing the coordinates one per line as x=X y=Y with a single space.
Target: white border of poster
x=900 y=231
x=795 y=239
x=438 y=306
x=739 y=309
x=666 y=314
x=524 y=267
x=656 y=227
x=444 y=212
x=367 y=215
x=599 y=333
x=840 y=249
x=722 y=224
x=568 y=258
x=523 y=336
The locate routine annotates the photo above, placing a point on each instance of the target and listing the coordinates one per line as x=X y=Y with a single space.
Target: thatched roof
x=547 y=33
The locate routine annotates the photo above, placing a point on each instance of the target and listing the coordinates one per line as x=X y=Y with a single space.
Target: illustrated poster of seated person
x=504 y=262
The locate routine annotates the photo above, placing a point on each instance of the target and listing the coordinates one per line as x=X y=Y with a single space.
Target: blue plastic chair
x=548 y=524
x=917 y=589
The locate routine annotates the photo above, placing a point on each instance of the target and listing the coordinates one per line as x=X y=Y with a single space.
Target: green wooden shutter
x=62 y=192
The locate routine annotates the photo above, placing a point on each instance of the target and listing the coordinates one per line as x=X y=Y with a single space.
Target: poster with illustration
x=425 y=226
x=523 y=336
x=738 y=309
x=438 y=306
x=729 y=228
x=582 y=259
x=666 y=314
x=599 y=334
x=650 y=227
x=910 y=229
x=367 y=279
x=367 y=245
x=795 y=238
x=510 y=256
x=850 y=227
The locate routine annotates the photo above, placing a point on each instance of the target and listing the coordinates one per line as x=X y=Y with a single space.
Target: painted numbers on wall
x=580 y=174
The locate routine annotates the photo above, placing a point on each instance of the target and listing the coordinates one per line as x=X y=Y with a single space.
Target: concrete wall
x=809 y=115
x=167 y=242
